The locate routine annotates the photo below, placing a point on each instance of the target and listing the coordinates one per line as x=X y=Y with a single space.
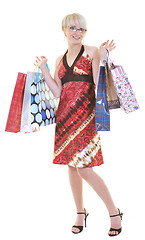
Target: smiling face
x=74 y=34
x=74 y=27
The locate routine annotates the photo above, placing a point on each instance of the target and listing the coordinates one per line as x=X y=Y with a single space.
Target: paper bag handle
x=38 y=72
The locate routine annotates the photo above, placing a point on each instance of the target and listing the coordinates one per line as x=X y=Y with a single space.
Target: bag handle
x=38 y=72
x=107 y=54
x=110 y=62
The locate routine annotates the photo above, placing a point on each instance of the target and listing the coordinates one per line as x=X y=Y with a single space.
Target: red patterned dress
x=77 y=143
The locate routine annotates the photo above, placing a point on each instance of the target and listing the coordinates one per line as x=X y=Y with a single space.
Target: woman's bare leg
x=101 y=189
x=76 y=183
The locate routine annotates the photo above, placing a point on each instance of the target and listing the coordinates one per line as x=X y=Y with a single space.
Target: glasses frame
x=75 y=29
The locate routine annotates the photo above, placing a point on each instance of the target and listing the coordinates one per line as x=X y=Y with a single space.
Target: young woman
x=77 y=144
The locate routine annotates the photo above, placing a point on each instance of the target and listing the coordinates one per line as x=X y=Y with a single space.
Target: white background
x=35 y=198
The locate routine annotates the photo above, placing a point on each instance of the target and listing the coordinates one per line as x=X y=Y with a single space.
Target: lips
x=76 y=38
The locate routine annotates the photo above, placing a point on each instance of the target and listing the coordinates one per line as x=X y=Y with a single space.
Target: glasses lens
x=74 y=29
x=81 y=30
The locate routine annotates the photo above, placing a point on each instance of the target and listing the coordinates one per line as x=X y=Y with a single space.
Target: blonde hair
x=76 y=18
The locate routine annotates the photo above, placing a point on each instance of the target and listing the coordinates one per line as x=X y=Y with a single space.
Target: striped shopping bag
x=14 y=117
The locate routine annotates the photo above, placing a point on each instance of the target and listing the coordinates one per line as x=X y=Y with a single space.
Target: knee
x=84 y=172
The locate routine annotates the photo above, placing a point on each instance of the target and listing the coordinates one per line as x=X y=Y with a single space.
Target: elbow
x=58 y=93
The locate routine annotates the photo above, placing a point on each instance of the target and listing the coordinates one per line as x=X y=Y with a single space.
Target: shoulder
x=92 y=51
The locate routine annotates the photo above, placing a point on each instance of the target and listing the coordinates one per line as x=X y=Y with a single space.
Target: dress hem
x=64 y=164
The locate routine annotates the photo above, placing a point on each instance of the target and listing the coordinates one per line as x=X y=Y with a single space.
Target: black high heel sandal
x=81 y=227
x=113 y=229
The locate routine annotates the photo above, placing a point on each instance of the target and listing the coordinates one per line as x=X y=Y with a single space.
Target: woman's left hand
x=106 y=45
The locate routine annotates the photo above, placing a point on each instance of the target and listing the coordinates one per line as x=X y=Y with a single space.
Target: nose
x=77 y=33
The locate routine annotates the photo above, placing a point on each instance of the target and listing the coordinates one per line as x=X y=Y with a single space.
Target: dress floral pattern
x=77 y=143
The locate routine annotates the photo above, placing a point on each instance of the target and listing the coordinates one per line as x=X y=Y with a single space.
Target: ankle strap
x=82 y=212
x=119 y=214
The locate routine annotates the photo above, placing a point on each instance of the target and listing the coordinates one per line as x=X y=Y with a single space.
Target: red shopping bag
x=14 y=116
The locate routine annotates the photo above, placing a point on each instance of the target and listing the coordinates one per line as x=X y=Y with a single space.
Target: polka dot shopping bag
x=39 y=104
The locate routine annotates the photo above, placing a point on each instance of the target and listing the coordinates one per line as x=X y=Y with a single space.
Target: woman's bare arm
x=53 y=83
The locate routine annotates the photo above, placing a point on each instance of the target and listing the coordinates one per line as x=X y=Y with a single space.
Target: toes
x=76 y=230
x=113 y=233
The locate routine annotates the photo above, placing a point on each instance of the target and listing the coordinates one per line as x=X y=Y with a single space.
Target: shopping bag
x=14 y=117
x=112 y=98
x=39 y=104
x=127 y=99
x=102 y=115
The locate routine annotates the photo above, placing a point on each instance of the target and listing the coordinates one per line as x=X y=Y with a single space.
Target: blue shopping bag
x=102 y=115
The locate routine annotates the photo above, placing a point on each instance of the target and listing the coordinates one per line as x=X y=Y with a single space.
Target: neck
x=74 y=47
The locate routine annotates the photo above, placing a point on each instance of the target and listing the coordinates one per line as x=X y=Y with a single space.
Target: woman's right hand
x=40 y=61
x=104 y=47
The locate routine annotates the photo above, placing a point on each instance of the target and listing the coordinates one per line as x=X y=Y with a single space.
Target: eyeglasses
x=74 y=29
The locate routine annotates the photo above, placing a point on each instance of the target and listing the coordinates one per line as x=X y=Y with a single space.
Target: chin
x=76 y=41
